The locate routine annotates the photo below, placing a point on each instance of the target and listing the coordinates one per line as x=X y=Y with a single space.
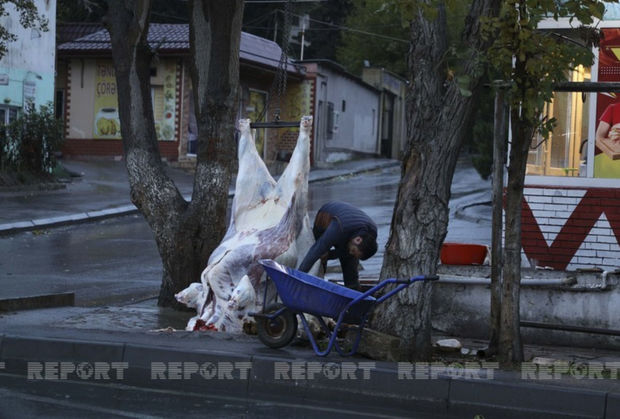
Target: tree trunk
x=510 y=345
x=185 y=233
x=499 y=159
x=436 y=115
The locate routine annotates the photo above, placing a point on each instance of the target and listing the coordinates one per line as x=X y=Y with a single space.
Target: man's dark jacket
x=335 y=224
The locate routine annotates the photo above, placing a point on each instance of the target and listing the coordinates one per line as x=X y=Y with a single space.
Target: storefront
x=92 y=120
x=86 y=79
x=571 y=210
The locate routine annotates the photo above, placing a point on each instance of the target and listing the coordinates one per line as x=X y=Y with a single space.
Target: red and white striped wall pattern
x=572 y=228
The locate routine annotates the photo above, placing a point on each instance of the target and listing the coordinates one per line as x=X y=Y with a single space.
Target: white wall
x=358 y=123
x=30 y=58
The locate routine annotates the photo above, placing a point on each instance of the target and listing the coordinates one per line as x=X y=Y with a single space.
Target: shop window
x=564 y=152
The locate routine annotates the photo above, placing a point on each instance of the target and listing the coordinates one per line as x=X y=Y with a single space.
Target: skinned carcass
x=269 y=220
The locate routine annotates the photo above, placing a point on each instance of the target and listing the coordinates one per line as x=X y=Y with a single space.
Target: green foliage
x=389 y=51
x=541 y=58
x=28 y=18
x=80 y=10
x=29 y=144
x=391 y=20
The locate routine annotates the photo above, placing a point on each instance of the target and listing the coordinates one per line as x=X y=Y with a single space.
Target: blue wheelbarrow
x=303 y=293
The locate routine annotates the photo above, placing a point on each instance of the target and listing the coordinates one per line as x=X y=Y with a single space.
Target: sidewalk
x=38 y=345
x=102 y=191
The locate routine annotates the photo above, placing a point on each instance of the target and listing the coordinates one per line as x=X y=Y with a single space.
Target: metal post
x=303 y=39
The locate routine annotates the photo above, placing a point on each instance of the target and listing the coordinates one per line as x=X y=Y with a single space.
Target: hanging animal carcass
x=269 y=220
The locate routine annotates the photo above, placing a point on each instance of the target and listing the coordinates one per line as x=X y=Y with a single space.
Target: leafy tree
x=28 y=18
x=533 y=61
x=325 y=37
x=80 y=11
x=323 y=34
x=185 y=232
x=92 y=11
x=388 y=50
x=444 y=83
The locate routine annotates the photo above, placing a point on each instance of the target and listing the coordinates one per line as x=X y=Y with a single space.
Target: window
x=8 y=114
x=344 y=105
x=374 y=117
x=564 y=152
x=59 y=105
x=330 y=120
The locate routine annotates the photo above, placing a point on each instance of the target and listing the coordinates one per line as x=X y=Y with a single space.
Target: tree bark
x=185 y=233
x=510 y=345
x=436 y=115
x=499 y=160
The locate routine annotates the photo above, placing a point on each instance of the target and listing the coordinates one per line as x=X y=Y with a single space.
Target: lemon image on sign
x=107 y=126
x=107 y=123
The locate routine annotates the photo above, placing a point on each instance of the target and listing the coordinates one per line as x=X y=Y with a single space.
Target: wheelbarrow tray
x=305 y=293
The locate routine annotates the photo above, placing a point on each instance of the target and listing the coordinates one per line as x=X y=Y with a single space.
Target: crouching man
x=342 y=232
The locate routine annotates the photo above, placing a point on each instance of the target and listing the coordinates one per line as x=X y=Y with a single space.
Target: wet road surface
x=116 y=260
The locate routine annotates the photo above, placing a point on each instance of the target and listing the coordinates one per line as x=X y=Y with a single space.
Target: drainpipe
x=604 y=278
x=568 y=328
x=487 y=281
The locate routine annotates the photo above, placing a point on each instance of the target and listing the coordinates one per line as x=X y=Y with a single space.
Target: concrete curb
x=459 y=213
x=252 y=376
x=84 y=217
x=37 y=301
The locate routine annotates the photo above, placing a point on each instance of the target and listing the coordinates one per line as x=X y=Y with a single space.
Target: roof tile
x=175 y=37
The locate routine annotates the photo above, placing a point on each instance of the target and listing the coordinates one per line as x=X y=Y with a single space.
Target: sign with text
x=163 y=95
x=107 y=121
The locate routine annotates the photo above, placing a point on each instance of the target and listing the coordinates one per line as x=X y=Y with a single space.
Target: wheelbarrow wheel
x=278 y=332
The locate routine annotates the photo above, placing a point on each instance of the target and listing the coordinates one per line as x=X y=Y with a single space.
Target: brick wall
x=572 y=228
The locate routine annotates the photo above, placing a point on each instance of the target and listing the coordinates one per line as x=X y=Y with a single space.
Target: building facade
x=27 y=68
x=392 y=117
x=571 y=207
x=86 y=78
x=346 y=113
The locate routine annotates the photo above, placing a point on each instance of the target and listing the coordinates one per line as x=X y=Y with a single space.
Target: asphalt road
x=23 y=398
x=116 y=260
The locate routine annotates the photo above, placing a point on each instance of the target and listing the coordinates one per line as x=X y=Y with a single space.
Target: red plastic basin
x=462 y=254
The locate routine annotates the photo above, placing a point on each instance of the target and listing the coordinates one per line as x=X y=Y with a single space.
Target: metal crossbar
x=275 y=124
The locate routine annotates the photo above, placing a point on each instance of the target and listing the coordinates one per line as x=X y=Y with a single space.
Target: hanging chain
x=278 y=87
x=282 y=67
